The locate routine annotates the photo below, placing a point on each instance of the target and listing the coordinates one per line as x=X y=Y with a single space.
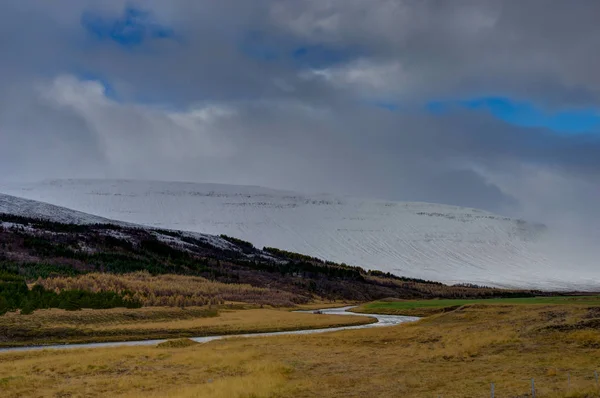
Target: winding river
x=382 y=321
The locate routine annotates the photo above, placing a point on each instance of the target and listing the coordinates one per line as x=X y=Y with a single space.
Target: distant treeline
x=389 y=275
x=114 y=255
x=244 y=245
x=306 y=269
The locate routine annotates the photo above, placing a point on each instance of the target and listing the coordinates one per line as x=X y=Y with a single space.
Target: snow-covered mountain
x=432 y=241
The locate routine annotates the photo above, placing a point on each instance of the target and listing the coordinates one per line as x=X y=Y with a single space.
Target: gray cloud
x=208 y=106
x=531 y=48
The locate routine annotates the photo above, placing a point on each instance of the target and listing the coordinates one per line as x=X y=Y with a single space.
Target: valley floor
x=55 y=326
x=453 y=354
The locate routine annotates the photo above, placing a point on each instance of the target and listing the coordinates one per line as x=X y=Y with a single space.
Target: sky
x=481 y=103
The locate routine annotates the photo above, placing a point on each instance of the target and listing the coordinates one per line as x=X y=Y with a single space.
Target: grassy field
x=58 y=326
x=430 y=307
x=454 y=354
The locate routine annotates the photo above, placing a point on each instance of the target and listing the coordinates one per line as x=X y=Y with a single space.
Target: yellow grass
x=233 y=322
x=170 y=290
x=455 y=354
x=88 y=317
x=58 y=326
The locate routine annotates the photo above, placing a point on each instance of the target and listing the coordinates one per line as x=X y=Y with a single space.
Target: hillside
x=167 y=267
x=419 y=240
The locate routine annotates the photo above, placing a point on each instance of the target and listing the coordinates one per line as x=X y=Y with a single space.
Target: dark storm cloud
x=285 y=94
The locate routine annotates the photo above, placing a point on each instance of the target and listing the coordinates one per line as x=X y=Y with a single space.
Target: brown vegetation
x=421 y=289
x=456 y=354
x=170 y=290
x=177 y=343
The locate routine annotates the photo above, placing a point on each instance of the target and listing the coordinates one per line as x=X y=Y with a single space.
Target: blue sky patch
x=526 y=114
x=131 y=29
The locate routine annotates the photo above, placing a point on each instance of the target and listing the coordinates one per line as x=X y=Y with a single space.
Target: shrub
x=15 y=295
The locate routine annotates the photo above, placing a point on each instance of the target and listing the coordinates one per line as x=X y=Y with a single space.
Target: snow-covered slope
x=35 y=209
x=432 y=241
x=30 y=208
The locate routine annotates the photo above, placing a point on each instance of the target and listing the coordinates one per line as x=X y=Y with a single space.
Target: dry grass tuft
x=177 y=343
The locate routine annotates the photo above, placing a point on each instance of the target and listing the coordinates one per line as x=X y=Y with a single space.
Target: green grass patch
x=430 y=307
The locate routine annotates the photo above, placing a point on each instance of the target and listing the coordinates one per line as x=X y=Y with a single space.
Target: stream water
x=382 y=321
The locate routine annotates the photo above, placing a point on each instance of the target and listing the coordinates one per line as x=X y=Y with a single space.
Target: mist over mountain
x=414 y=239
